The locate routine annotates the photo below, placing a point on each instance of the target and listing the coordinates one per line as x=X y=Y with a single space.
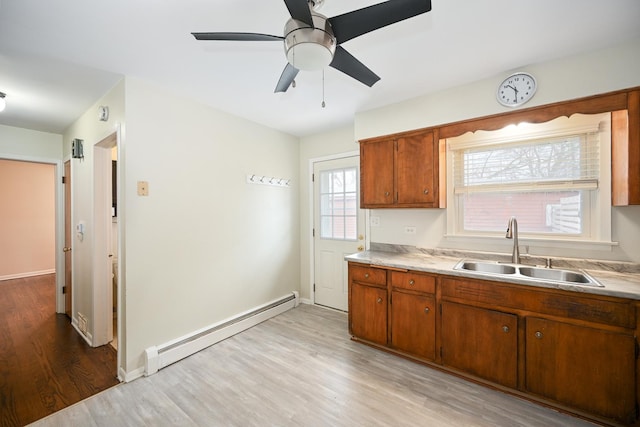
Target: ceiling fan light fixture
x=309 y=48
x=3 y=102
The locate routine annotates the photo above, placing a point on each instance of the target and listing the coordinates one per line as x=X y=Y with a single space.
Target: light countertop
x=617 y=284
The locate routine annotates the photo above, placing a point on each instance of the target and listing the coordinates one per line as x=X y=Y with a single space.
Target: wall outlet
x=143 y=188
x=374 y=221
x=409 y=229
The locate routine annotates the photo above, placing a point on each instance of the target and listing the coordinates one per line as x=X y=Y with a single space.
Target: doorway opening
x=106 y=271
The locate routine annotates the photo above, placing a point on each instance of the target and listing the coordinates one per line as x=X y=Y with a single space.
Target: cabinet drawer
x=371 y=275
x=544 y=301
x=413 y=281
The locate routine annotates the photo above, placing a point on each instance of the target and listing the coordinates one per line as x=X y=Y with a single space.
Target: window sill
x=528 y=245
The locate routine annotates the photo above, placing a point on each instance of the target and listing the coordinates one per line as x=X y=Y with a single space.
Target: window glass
x=338 y=204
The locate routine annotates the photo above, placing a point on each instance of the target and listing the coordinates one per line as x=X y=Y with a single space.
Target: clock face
x=516 y=89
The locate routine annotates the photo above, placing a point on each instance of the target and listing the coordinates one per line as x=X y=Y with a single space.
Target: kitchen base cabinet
x=369 y=313
x=481 y=342
x=576 y=352
x=413 y=324
x=583 y=367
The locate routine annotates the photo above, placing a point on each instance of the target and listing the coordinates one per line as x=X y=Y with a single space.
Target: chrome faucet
x=512 y=233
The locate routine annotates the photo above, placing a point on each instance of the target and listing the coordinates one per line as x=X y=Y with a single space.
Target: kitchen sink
x=525 y=272
x=557 y=275
x=488 y=267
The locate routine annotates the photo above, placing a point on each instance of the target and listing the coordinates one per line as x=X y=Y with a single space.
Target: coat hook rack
x=268 y=180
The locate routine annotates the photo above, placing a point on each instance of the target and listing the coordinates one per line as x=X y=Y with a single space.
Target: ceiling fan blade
x=299 y=9
x=288 y=74
x=348 y=64
x=358 y=22
x=236 y=36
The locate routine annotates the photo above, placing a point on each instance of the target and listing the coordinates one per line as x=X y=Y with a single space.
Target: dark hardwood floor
x=44 y=363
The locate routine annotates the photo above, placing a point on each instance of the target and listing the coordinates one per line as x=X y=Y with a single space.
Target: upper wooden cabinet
x=407 y=170
x=400 y=171
x=625 y=153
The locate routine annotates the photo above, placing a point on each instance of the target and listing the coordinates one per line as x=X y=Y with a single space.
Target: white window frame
x=598 y=217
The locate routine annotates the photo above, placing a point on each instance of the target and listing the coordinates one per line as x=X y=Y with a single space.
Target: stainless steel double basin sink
x=538 y=274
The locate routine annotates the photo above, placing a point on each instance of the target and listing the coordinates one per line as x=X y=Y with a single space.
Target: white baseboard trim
x=88 y=337
x=158 y=357
x=27 y=274
x=306 y=301
x=127 y=377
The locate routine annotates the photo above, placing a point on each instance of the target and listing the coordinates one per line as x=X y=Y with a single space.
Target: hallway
x=45 y=365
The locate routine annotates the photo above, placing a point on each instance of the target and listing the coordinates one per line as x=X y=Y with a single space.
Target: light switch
x=143 y=188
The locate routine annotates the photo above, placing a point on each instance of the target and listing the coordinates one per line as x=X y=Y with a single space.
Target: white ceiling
x=57 y=57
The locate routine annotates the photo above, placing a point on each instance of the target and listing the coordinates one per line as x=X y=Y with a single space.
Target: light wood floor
x=301 y=369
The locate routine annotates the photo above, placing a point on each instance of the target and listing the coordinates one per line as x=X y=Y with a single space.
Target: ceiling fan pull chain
x=323 y=104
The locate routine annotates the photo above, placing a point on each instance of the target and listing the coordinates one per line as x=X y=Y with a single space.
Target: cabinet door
x=416 y=169
x=368 y=307
x=587 y=368
x=481 y=342
x=376 y=172
x=413 y=324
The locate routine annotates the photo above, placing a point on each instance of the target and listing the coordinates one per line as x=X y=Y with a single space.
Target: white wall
x=567 y=78
x=27 y=144
x=312 y=148
x=204 y=245
x=91 y=131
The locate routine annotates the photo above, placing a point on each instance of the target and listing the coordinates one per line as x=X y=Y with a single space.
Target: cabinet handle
x=538 y=334
x=426 y=191
x=386 y=193
x=505 y=329
x=412 y=282
x=379 y=300
x=366 y=275
x=426 y=310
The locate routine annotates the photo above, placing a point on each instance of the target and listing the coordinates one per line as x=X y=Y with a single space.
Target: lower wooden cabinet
x=576 y=352
x=583 y=367
x=481 y=342
x=368 y=312
x=413 y=324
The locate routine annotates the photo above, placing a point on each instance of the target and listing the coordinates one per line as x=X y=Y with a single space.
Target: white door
x=338 y=227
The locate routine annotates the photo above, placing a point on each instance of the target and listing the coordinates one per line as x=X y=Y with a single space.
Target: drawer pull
x=426 y=310
x=386 y=193
x=366 y=275
x=379 y=300
x=426 y=191
x=505 y=329
x=412 y=282
x=538 y=334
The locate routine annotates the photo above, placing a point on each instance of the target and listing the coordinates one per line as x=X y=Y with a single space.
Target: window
x=549 y=176
x=338 y=204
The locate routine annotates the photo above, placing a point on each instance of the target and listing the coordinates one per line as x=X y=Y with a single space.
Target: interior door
x=67 y=238
x=338 y=228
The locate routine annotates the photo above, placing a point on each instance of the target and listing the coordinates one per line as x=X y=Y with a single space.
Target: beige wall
x=204 y=245
x=27 y=219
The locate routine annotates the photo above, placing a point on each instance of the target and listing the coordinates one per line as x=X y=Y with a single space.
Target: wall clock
x=516 y=89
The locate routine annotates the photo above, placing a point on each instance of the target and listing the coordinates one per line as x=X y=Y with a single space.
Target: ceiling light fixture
x=3 y=102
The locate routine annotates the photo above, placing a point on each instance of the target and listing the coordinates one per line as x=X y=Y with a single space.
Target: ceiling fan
x=313 y=41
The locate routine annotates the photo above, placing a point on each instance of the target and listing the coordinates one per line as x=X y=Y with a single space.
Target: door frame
x=311 y=201
x=59 y=217
x=102 y=219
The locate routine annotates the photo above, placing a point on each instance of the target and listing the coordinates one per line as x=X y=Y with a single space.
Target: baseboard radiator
x=158 y=357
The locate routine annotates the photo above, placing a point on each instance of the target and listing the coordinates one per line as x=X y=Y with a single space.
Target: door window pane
x=338 y=204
